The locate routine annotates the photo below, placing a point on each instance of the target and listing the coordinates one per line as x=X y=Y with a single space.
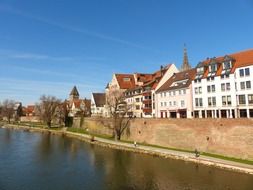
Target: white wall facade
x=218 y=107
x=175 y=103
x=96 y=111
x=246 y=90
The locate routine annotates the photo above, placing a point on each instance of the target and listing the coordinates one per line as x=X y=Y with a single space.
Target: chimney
x=161 y=70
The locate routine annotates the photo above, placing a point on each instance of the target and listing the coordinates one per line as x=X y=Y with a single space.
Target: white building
x=97 y=104
x=175 y=96
x=222 y=86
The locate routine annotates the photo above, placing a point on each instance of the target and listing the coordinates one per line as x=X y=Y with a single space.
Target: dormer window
x=200 y=70
x=126 y=79
x=227 y=65
x=212 y=68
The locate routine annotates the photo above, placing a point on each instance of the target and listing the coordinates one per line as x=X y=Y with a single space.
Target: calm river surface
x=51 y=162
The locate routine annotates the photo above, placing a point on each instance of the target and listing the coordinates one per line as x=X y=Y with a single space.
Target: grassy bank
x=83 y=131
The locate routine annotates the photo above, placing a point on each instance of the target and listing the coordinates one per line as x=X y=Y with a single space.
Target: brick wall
x=229 y=137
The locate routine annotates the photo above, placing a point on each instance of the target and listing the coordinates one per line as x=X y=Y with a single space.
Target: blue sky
x=47 y=47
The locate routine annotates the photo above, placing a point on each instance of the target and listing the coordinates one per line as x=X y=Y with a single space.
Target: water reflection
x=46 y=161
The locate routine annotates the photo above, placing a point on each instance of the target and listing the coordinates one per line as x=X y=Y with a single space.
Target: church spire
x=74 y=94
x=185 y=66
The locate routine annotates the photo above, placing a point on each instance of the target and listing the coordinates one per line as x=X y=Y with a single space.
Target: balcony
x=146 y=93
x=146 y=101
x=147 y=110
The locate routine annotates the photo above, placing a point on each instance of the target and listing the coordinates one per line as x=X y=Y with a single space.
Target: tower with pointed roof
x=186 y=65
x=74 y=94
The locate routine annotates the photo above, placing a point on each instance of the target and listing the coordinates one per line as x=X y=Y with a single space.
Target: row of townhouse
x=220 y=87
x=217 y=88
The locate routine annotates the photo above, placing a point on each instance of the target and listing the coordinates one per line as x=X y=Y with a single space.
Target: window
x=228 y=86
x=182 y=103
x=213 y=88
x=224 y=76
x=211 y=101
x=226 y=65
x=224 y=100
x=184 y=91
x=200 y=90
x=137 y=107
x=212 y=68
x=137 y=99
x=200 y=102
x=174 y=93
x=247 y=72
x=214 y=101
x=200 y=69
x=250 y=98
x=241 y=71
x=179 y=92
x=248 y=84
x=165 y=103
x=222 y=86
x=161 y=104
x=161 y=95
x=170 y=103
x=196 y=102
x=242 y=84
x=242 y=99
x=174 y=103
x=196 y=90
x=126 y=79
x=229 y=101
x=164 y=94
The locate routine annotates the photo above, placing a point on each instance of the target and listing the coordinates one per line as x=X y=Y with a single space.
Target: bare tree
x=7 y=109
x=118 y=109
x=48 y=109
x=64 y=114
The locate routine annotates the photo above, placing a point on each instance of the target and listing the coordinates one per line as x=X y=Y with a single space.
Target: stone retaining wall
x=229 y=137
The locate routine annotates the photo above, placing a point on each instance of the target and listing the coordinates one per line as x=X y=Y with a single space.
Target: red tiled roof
x=125 y=81
x=188 y=74
x=157 y=76
x=30 y=109
x=241 y=59
x=78 y=102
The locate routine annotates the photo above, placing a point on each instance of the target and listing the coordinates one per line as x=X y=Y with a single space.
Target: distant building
x=77 y=106
x=30 y=110
x=18 y=110
x=185 y=65
x=97 y=104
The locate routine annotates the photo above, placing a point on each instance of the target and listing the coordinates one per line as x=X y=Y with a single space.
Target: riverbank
x=143 y=149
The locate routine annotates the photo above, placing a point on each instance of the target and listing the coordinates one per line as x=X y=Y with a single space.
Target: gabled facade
x=142 y=98
x=222 y=86
x=175 y=96
x=97 y=104
x=77 y=106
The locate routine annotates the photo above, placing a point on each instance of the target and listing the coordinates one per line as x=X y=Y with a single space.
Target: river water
x=51 y=162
